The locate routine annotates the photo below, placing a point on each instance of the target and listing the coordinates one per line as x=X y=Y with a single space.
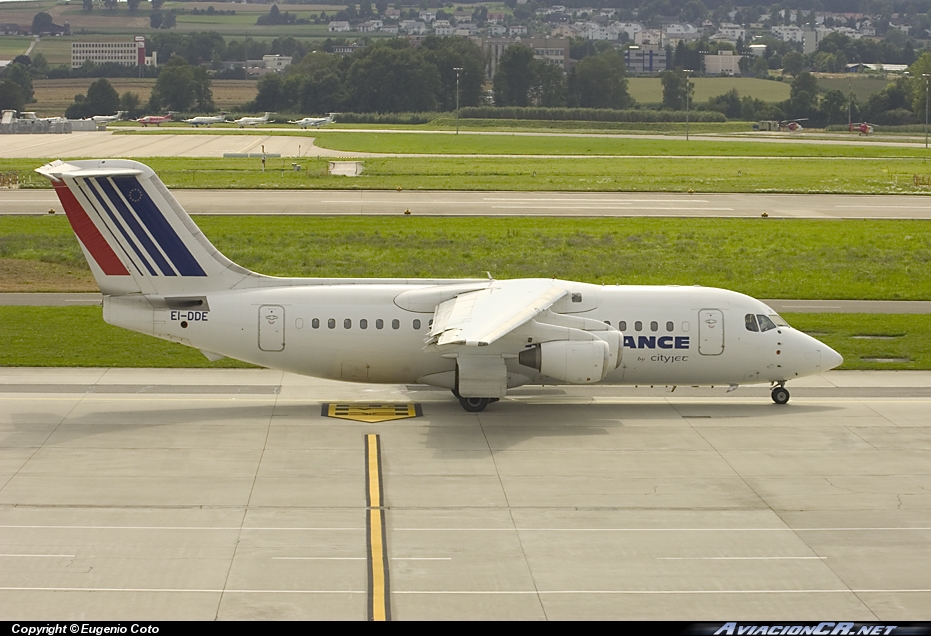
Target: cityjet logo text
x=653 y=342
x=821 y=629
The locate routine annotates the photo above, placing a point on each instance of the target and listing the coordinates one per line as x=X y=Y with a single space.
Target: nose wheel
x=780 y=395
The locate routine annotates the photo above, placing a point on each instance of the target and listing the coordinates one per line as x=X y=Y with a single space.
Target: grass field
x=13 y=45
x=33 y=337
x=54 y=96
x=861 y=85
x=765 y=258
x=638 y=174
x=649 y=90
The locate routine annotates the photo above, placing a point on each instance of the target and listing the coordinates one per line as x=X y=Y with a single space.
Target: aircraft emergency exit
x=161 y=276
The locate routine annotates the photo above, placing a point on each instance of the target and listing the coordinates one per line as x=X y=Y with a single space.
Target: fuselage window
x=331 y=323
x=576 y=297
x=416 y=324
x=750 y=322
x=315 y=323
x=685 y=326
x=608 y=322
x=363 y=324
x=765 y=323
x=347 y=324
x=395 y=324
x=638 y=326
x=622 y=325
x=670 y=326
x=379 y=324
x=654 y=326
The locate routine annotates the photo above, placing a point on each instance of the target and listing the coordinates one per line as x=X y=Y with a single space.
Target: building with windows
x=553 y=50
x=127 y=53
x=645 y=59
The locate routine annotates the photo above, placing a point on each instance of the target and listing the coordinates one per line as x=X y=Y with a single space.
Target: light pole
x=927 y=77
x=688 y=86
x=458 y=70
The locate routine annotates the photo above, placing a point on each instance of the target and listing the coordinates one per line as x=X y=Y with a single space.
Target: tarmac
x=226 y=494
x=560 y=204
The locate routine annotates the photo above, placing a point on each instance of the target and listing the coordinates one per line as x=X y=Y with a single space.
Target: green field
x=13 y=45
x=33 y=337
x=637 y=174
x=861 y=85
x=765 y=258
x=649 y=90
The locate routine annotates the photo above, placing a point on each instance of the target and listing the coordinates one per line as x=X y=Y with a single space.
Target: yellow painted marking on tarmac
x=379 y=605
x=371 y=412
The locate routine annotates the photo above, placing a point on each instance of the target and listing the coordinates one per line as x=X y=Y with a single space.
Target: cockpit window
x=776 y=318
x=765 y=323
x=750 y=322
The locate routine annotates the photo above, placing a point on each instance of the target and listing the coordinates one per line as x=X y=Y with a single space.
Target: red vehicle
x=862 y=127
x=792 y=125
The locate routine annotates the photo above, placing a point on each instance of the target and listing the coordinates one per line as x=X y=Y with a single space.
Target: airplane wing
x=481 y=317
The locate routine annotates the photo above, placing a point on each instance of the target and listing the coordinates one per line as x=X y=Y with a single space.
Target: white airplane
x=316 y=122
x=204 y=120
x=105 y=119
x=161 y=276
x=252 y=121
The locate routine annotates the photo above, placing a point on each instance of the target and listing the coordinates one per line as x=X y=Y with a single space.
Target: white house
x=337 y=26
x=788 y=33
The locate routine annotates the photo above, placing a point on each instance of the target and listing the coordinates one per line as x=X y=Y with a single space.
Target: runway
x=200 y=494
x=561 y=204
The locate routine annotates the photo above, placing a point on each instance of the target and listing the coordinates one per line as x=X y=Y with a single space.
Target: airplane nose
x=830 y=359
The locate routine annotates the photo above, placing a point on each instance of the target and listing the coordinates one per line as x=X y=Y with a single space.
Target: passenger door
x=271 y=328
x=710 y=332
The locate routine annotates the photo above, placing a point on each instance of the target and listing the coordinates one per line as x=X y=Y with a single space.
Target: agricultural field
x=861 y=85
x=649 y=90
x=54 y=96
x=13 y=45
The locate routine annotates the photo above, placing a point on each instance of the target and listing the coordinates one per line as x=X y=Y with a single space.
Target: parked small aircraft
x=205 y=120
x=105 y=119
x=862 y=127
x=316 y=122
x=154 y=119
x=252 y=121
x=159 y=275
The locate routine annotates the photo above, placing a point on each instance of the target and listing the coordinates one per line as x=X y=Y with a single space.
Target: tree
x=385 y=79
x=174 y=89
x=448 y=54
x=803 y=96
x=88 y=4
x=130 y=102
x=549 y=85
x=601 y=81
x=155 y=19
x=133 y=5
x=102 y=98
x=11 y=96
x=514 y=77
x=677 y=88
x=41 y=22
x=20 y=74
x=917 y=88
x=109 y=4
x=792 y=63
x=157 y=4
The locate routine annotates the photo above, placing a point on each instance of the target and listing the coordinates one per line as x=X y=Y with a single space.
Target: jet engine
x=572 y=361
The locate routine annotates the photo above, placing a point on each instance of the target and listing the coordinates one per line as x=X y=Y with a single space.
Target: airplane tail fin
x=135 y=235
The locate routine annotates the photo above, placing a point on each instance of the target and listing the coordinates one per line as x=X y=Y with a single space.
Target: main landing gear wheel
x=473 y=404
x=780 y=395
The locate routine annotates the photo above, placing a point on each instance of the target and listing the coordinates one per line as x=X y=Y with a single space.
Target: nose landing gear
x=780 y=394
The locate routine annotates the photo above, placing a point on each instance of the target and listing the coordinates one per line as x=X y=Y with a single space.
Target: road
x=451 y=203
